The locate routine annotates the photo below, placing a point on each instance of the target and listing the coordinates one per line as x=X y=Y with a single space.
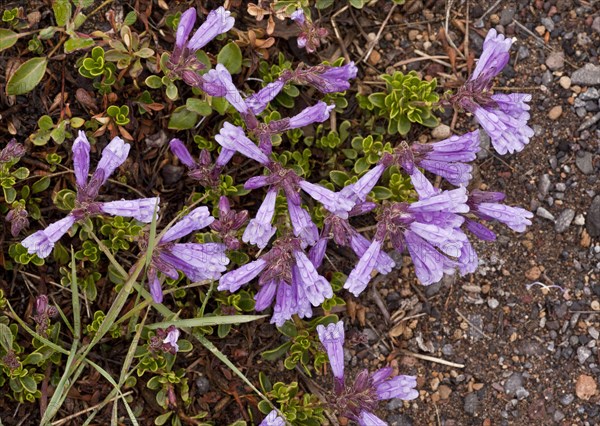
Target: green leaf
x=324 y=4
x=27 y=76
x=153 y=82
x=377 y=99
x=275 y=354
x=10 y=194
x=358 y=4
x=182 y=119
x=62 y=12
x=338 y=177
x=198 y=106
x=162 y=419
x=231 y=57
x=45 y=122
x=6 y=337
x=76 y=43
x=382 y=193
x=21 y=173
x=7 y=38
x=207 y=321
x=130 y=18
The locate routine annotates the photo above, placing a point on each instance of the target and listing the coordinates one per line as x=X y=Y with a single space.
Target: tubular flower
x=286 y=276
x=358 y=400
x=504 y=117
x=272 y=419
x=324 y=78
x=203 y=170
x=197 y=261
x=115 y=154
x=311 y=35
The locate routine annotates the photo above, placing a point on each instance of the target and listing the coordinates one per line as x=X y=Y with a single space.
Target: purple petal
x=303 y=226
x=198 y=262
x=256 y=182
x=113 y=156
x=259 y=101
x=369 y=419
x=312 y=114
x=172 y=337
x=185 y=26
x=181 y=152
x=361 y=274
x=197 y=219
x=462 y=148
x=480 y=231
x=506 y=124
x=381 y=375
x=259 y=231
x=316 y=288
x=515 y=218
x=422 y=185
x=155 y=287
x=317 y=252
x=42 y=242
x=141 y=209
x=455 y=173
x=285 y=304
x=402 y=387
x=298 y=17
x=429 y=263
x=224 y=157
x=233 y=137
x=265 y=295
x=467 y=260
x=453 y=201
x=217 y=22
x=358 y=191
x=332 y=79
x=218 y=82
x=81 y=159
x=494 y=57
x=332 y=338
x=235 y=279
x=273 y=419
x=360 y=245
x=336 y=203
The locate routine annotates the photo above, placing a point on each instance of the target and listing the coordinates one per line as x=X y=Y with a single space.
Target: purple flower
x=218 y=82
x=332 y=338
x=18 y=219
x=503 y=117
x=233 y=138
x=12 y=152
x=115 y=153
x=259 y=231
x=184 y=28
x=217 y=22
x=358 y=400
x=506 y=122
x=172 y=337
x=311 y=35
x=494 y=57
x=447 y=158
x=197 y=261
x=203 y=170
x=325 y=78
x=229 y=223
x=259 y=101
x=361 y=274
x=298 y=17
x=273 y=419
x=302 y=224
x=286 y=275
x=486 y=206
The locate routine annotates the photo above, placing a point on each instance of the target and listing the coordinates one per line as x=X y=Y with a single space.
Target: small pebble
x=555 y=112
x=565 y=82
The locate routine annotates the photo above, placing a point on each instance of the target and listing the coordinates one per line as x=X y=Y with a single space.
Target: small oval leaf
x=27 y=76
x=7 y=38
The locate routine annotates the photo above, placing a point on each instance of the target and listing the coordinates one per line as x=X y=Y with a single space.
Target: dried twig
x=374 y=42
x=477 y=329
x=432 y=359
x=337 y=32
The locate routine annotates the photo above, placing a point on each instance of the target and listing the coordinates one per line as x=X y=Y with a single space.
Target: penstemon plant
x=280 y=243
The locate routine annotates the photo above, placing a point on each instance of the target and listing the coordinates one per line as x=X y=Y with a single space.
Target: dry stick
x=79 y=413
x=448 y=38
x=467 y=33
x=479 y=330
x=432 y=359
x=374 y=42
x=337 y=32
x=479 y=23
x=411 y=60
x=377 y=298
x=426 y=56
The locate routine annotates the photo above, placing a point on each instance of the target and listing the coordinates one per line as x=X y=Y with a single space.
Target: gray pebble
x=564 y=220
x=399 y=420
x=556 y=61
x=567 y=398
x=558 y=416
x=590 y=94
x=588 y=75
x=521 y=393
x=202 y=385
x=543 y=213
x=584 y=162
x=513 y=383
x=592 y=220
x=583 y=353
x=548 y=23
x=493 y=303
x=523 y=52
x=471 y=403
x=544 y=185
x=560 y=187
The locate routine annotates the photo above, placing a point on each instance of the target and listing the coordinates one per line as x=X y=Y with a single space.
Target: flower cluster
x=358 y=400
x=115 y=154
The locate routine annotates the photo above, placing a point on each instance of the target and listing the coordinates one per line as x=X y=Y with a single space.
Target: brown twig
x=374 y=42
